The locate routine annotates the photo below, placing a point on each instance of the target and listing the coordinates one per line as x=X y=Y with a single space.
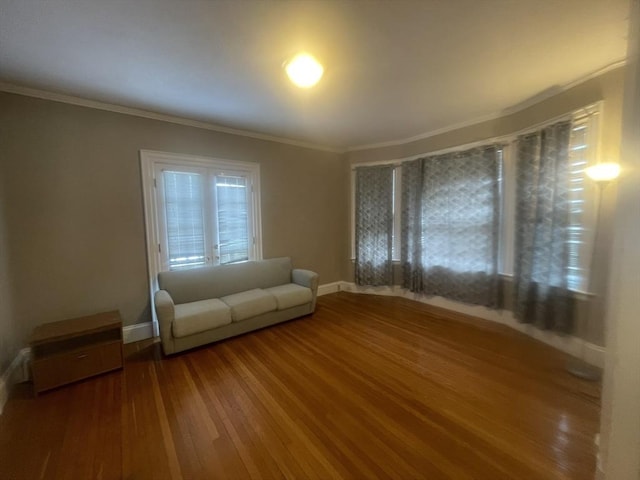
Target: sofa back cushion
x=203 y=283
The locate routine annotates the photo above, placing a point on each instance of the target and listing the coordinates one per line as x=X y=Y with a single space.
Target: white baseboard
x=137 y=332
x=589 y=352
x=328 y=288
x=599 y=468
x=594 y=354
x=18 y=371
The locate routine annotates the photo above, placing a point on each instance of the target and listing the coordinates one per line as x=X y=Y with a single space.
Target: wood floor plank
x=251 y=466
x=367 y=387
x=386 y=422
x=369 y=429
x=310 y=408
x=167 y=438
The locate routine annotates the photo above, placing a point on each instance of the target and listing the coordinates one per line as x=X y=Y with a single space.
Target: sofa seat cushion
x=250 y=304
x=196 y=317
x=290 y=295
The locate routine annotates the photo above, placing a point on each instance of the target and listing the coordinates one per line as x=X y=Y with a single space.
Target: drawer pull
x=84 y=355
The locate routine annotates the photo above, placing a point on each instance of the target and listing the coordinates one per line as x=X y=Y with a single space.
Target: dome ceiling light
x=304 y=70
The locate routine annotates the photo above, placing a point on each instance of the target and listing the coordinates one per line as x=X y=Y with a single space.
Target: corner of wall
x=4 y=394
x=17 y=372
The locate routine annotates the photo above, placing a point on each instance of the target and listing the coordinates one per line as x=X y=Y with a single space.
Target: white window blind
x=233 y=219
x=581 y=221
x=184 y=202
x=205 y=216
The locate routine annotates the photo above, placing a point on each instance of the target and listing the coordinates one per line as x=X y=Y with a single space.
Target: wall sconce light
x=603 y=172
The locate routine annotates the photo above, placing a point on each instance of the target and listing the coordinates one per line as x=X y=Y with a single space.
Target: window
x=438 y=215
x=460 y=210
x=182 y=194
x=199 y=211
x=450 y=225
x=203 y=216
x=233 y=227
x=582 y=149
x=582 y=152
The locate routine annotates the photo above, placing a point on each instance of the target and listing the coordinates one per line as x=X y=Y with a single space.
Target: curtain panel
x=374 y=225
x=450 y=225
x=411 y=224
x=541 y=293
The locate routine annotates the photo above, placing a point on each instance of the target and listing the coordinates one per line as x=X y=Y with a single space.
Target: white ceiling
x=393 y=69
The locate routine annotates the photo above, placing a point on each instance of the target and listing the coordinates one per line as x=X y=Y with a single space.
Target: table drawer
x=53 y=371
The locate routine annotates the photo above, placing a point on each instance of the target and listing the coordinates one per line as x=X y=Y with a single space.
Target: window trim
x=150 y=162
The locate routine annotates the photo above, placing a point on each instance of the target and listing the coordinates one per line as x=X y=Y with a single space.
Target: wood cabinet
x=70 y=350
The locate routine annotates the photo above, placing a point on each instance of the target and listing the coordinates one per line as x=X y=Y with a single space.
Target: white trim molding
x=328 y=288
x=492 y=116
x=137 y=332
x=577 y=347
x=125 y=110
x=136 y=112
x=16 y=372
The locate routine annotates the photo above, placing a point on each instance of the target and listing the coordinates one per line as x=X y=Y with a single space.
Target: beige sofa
x=202 y=305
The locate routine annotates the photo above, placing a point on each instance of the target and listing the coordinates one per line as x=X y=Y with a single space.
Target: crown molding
x=495 y=115
x=136 y=112
x=84 y=102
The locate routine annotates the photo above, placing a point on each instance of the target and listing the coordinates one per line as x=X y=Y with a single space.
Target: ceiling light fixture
x=304 y=70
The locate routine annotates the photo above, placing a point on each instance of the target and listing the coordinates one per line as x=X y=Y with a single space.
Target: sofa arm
x=165 y=312
x=309 y=279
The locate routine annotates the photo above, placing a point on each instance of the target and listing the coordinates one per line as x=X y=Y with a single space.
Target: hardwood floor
x=368 y=387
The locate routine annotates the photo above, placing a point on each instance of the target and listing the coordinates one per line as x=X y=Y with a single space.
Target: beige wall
x=608 y=87
x=74 y=209
x=9 y=333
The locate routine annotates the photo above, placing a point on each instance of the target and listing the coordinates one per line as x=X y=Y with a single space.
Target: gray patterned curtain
x=411 y=224
x=541 y=294
x=451 y=215
x=374 y=225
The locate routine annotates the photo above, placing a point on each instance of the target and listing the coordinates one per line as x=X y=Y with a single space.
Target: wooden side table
x=71 y=350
